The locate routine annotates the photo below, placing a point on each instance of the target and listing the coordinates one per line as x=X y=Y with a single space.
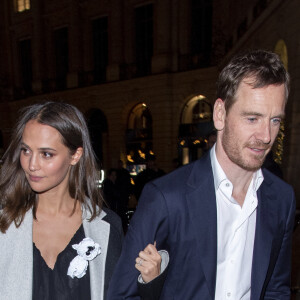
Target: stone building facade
x=143 y=72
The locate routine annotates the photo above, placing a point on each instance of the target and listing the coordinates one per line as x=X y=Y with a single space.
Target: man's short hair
x=264 y=67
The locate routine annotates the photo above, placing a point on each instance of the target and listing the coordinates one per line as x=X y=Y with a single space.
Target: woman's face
x=45 y=160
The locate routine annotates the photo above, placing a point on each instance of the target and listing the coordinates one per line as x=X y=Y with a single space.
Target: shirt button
x=228 y=294
x=227 y=184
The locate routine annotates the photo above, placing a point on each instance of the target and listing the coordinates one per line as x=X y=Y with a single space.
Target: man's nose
x=264 y=133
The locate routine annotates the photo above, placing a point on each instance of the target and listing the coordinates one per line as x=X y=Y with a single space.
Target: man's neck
x=239 y=177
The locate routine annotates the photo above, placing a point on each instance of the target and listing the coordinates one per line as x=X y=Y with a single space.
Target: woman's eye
x=25 y=150
x=47 y=154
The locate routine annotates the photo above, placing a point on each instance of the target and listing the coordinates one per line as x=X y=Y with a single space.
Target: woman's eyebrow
x=41 y=148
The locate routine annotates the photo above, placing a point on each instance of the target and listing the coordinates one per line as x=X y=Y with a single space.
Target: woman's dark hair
x=17 y=197
x=263 y=67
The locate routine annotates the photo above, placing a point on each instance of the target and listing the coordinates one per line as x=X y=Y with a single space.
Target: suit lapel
x=201 y=201
x=264 y=234
x=202 y=206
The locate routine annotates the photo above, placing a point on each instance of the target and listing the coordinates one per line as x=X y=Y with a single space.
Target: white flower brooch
x=87 y=250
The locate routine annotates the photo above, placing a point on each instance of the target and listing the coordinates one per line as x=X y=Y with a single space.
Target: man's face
x=251 y=125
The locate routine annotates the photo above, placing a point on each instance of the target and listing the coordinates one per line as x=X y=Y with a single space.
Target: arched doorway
x=138 y=137
x=195 y=126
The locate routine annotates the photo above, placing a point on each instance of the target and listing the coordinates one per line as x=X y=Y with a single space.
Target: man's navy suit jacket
x=179 y=212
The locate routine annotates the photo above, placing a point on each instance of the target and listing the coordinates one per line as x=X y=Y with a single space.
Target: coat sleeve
x=278 y=286
x=149 y=224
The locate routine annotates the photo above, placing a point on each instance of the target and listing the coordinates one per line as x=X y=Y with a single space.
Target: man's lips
x=257 y=149
x=260 y=151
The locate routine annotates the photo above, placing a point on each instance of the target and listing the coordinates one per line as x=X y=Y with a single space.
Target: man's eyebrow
x=253 y=113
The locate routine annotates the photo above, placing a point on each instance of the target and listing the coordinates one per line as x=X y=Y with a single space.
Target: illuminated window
x=195 y=126
x=197 y=110
x=139 y=134
x=22 y=5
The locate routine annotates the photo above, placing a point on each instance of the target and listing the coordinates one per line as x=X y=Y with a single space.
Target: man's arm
x=279 y=285
x=149 y=224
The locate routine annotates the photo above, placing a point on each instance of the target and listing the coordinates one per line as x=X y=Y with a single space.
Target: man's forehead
x=249 y=96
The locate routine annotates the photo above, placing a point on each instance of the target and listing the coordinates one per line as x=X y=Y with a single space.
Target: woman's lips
x=35 y=178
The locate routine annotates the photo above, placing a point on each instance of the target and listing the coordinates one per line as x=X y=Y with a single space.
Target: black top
x=55 y=284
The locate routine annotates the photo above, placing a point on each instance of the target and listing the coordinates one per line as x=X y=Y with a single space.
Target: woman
x=50 y=205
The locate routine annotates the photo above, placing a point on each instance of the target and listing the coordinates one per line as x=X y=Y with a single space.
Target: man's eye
x=276 y=121
x=252 y=119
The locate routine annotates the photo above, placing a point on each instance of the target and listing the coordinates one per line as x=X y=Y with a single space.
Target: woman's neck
x=56 y=203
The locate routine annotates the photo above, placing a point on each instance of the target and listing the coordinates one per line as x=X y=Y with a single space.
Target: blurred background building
x=143 y=72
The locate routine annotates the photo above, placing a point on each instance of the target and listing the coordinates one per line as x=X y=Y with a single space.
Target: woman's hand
x=148 y=263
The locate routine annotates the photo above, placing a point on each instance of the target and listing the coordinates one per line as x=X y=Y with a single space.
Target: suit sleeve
x=149 y=224
x=152 y=290
x=279 y=285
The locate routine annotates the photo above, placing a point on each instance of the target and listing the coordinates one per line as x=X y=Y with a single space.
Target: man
x=226 y=223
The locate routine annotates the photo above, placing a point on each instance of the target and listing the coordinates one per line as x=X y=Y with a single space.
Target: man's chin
x=253 y=167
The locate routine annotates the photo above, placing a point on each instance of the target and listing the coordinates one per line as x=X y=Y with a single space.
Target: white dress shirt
x=236 y=231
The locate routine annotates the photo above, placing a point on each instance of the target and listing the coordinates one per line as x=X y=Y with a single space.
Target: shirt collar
x=219 y=174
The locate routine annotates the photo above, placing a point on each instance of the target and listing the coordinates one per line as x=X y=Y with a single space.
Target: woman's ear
x=219 y=114
x=76 y=156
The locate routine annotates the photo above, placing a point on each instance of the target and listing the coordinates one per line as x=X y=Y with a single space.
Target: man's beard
x=234 y=152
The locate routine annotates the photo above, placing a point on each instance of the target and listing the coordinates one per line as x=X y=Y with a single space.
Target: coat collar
x=17 y=257
x=99 y=231
x=17 y=260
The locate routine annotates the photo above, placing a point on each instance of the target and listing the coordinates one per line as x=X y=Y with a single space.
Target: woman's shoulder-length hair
x=17 y=197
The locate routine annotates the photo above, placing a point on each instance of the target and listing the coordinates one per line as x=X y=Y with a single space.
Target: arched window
x=139 y=136
x=195 y=126
x=140 y=120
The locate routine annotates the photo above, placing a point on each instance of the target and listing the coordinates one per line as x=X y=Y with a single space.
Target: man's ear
x=76 y=156
x=219 y=114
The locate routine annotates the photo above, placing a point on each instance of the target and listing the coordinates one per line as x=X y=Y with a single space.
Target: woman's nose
x=33 y=163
